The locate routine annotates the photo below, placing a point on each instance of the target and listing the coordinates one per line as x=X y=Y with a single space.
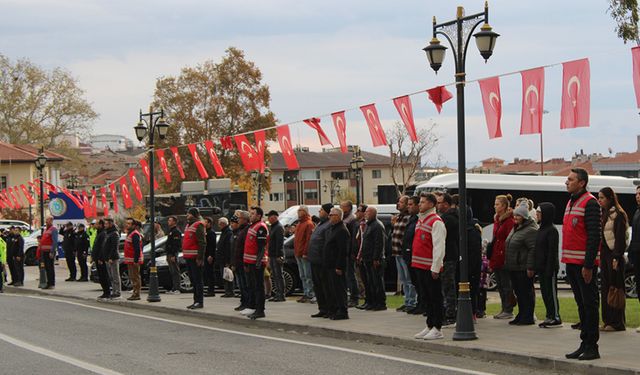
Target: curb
x=442 y=347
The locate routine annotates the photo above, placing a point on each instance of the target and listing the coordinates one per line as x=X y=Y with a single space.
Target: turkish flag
x=176 y=157
x=114 y=197
x=86 y=204
x=226 y=142
x=261 y=142
x=163 y=165
x=147 y=173
x=315 y=124
x=214 y=158
x=16 y=201
x=94 y=203
x=73 y=198
x=50 y=187
x=635 y=54
x=492 y=103
x=6 y=199
x=105 y=203
x=35 y=187
x=27 y=195
x=340 y=123
x=375 y=127
x=196 y=160
x=124 y=190
x=576 y=94
x=439 y=95
x=134 y=184
x=403 y=105
x=247 y=153
x=284 y=140
x=532 y=101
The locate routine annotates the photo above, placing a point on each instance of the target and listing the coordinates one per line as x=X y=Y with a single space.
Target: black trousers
x=48 y=267
x=374 y=285
x=82 y=262
x=337 y=293
x=549 y=291
x=320 y=286
x=228 y=285
x=475 y=268
x=277 y=277
x=255 y=279
x=195 y=274
x=12 y=267
x=587 y=299
x=432 y=290
x=421 y=301
x=70 y=257
x=354 y=291
x=523 y=288
x=19 y=266
x=209 y=277
x=246 y=293
x=103 y=277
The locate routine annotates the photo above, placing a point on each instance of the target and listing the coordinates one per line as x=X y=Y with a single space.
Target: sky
x=322 y=57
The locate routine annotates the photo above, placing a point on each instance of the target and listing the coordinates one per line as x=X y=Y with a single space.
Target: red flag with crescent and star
x=247 y=153
x=94 y=203
x=16 y=201
x=635 y=55
x=439 y=95
x=492 y=103
x=284 y=140
x=261 y=142
x=147 y=173
x=5 y=198
x=196 y=160
x=226 y=142
x=315 y=124
x=86 y=204
x=105 y=203
x=176 y=157
x=35 y=187
x=403 y=105
x=576 y=94
x=135 y=184
x=162 y=160
x=114 y=197
x=375 y=127
x=27 y=195
x=340 y=123
x=532 y=101
x=214 y=158
x=73 y=198
x=124 y=190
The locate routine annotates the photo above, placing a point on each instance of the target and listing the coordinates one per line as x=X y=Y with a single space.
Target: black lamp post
x=458 y=33
x=357 y=162
x=155 y=123
x=41 y=161
x=259 y=179
x=333 y=187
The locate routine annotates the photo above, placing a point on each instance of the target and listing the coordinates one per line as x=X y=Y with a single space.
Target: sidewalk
x=530 y=345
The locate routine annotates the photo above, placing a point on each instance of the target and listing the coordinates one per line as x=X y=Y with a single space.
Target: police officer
x=17 y=248
x=82 y=244
x=7 y=235
x=68 y=246
x=194 y=244
x=173 y=247
x=255 y=259
x=210 y=252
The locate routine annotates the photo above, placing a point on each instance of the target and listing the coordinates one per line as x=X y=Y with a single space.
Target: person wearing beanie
x=315 y=257
x=547 y=263
x=520 y=262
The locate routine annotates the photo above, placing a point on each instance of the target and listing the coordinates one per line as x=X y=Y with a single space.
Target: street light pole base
x=464 y=320
x=154 y=293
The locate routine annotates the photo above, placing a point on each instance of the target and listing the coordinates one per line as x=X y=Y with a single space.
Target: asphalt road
x=57 y=336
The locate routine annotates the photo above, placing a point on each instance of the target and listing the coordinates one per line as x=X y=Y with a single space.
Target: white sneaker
x=422 y=334
x=638 y=329
x=246 y=312
x=173 y=292
x=434 y=334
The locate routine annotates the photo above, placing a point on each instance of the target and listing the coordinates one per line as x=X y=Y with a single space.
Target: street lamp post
x=333 y=187
x=155 y=123
x=357 y=163
x=458 y=33
x=41 y=161
x=259 y=178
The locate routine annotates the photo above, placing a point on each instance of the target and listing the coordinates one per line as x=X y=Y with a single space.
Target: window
x=3 y=182
x=342 y=175
x=310 y=175
x=376 y=173
x=291 y=195
x=310 y=194
x=276 y=197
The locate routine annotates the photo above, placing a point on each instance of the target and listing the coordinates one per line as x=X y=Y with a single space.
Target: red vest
x=574 y=232
x=129 y=251
x=251 y=245
x=422 y=247
x=190 y=245
x=46 y=242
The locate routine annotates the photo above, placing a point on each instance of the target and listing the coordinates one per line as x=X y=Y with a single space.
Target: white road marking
x=59 y=357
x=246 y=334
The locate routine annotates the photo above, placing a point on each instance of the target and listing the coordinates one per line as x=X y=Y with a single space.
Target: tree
x=625 y=13
x=406 y=156
x=213 y=100
x=36 y=105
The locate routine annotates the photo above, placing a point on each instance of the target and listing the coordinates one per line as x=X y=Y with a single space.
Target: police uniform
x=17 y=248
x=82 y=243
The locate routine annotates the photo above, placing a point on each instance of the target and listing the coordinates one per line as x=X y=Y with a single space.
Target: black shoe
x=525 y=323
x=196 y=305
x=11 y=283
x=339 y=317
x=319 y=314
x=280 y=299
x=210 y=295
x=70 y=279
x=272 y=299
x=379 y=308
x=18 y=284
x=352 y=303
x=49 y=287
x=576 y=354
x=364 y=306
x=227 y=296
x=83 y=279
x=514 y=322
x=240 y=308
x=576 y=326
x=554 y=323
x=256 y=315
x=589 y=355
x=402 y=308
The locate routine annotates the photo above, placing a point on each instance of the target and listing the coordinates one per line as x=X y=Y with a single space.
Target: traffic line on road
x=246 y=334
x=57 y=356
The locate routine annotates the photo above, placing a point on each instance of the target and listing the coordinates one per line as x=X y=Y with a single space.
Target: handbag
x=227 y=274
x=616 y=298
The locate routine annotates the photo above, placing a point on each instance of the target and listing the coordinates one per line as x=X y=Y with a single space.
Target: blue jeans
x=408 y=288
x=304 y=269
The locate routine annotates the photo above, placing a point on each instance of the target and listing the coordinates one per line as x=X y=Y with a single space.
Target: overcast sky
x=321 y=57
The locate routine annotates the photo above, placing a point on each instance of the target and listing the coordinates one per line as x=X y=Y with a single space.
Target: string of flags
x=575 y=113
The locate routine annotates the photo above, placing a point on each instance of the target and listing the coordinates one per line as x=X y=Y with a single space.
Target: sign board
x=64 y=210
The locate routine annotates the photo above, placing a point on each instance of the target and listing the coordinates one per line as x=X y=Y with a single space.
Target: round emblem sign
x=57 y=207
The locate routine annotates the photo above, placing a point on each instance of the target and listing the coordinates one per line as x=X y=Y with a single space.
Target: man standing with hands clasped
x=255 y=260
x=194 y=244
x=580 y=244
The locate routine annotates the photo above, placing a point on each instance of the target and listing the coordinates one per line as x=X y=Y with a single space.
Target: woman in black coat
x=547 y=264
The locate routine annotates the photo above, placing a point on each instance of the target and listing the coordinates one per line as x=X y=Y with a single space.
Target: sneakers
x=173 y=292
x=638 y=329
x=313 y=300
x=434 y=334
x=550 y=323
x=302 y=299
x=134 y=298
x=503 y=315
x=449 y=323
x=420 y=335
x=247 y=311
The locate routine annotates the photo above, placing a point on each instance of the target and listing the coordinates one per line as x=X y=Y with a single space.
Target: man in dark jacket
x=112 y=256
x=8 y=239
x=99 y=256
x=276 y=255
x=223 y=253
x=350 y=221
x=209 y=255
x=68 y=246
x=335 y=263
x=315 y=256
x=407 y=245
x=634 y=246
x=547 y=263
x=82 y=250
x=17 y=259
x=373 y=245
x=240 y=235
x=173 y=248
x=452 y=244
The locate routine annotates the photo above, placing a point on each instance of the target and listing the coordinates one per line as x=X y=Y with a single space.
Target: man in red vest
x=194 y=243
x=255 y=260
x=427 y=260
x=133 y=256
x=48 y=247
x=580 y=244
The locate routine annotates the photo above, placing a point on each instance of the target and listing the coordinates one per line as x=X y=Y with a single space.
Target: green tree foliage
x=625 y=13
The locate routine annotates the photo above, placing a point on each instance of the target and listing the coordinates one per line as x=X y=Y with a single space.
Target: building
x=111 y=142
x=323 y=176
x=487 y=166
x=625 y=164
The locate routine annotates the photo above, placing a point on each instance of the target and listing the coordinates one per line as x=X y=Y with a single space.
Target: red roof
x=24 y=153
x=622 y=158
